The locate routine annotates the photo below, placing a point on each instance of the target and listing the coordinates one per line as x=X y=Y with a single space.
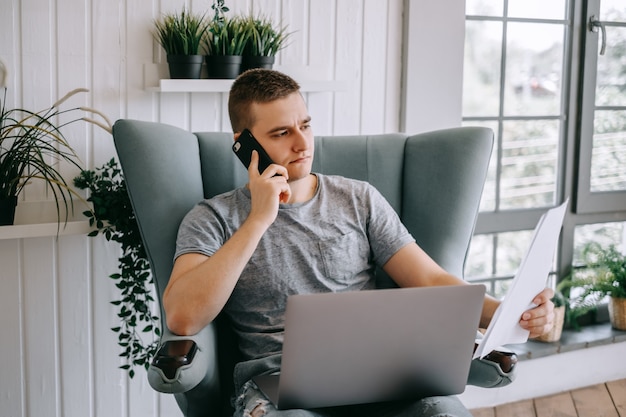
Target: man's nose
x=301 y=141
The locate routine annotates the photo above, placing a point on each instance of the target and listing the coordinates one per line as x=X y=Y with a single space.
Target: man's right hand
x=267 y=190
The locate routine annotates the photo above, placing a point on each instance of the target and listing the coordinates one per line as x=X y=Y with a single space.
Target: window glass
x=481 y=68
x=511 y=249
x=552 y=9
x=608 y=157
x=614 y=10
x=601 y=182
x=611 y=75
x=484 y=7
x=529 y=163
x=480 y=259
x=605 y=234
x=534 y=63
x=497 y=255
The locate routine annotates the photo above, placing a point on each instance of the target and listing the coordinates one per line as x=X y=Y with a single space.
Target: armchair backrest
x=433 y=180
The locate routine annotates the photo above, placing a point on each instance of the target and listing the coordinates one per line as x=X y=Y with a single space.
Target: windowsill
x=588 y=336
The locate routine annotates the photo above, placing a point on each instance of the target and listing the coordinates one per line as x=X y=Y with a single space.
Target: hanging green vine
x=114 y=218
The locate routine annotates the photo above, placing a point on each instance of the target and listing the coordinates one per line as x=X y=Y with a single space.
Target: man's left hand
x=539 y=320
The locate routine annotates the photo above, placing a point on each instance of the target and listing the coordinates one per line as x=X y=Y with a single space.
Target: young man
x=245 y=251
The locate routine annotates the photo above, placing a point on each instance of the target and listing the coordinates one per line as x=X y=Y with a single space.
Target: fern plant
x=570 y=293
x=603 y=274
x=608 y=267
x=606 y=272
x=113 y=217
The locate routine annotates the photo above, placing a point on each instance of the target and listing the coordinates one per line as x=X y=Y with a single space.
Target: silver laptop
x=376 y=345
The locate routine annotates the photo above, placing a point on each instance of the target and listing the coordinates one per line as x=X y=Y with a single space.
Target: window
x=532 y=73
x=602 y=179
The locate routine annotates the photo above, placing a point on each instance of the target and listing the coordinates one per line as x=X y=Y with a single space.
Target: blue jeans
x=253 y=403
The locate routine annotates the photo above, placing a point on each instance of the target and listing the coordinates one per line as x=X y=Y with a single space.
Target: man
x=292 y=231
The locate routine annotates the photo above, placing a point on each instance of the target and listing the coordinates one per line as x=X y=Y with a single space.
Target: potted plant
x=113 y=217
x=225 y=43
x=607 y=277
x=31 y=147
x=264 y=40
x=181 y=35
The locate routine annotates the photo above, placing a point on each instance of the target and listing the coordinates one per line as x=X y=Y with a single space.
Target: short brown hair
x=256 y=86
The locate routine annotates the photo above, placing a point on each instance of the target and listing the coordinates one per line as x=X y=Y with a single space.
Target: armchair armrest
x=497 y=369
x=174 y=374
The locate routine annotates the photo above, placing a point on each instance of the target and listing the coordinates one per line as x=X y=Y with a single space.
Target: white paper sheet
x=529 y=281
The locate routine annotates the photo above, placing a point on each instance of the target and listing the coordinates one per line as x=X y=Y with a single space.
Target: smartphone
x=174 y=354
x=243 y=147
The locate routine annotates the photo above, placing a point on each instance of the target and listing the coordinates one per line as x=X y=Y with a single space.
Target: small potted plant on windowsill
x=181 y=35
x=607 y=277
x=31 y=147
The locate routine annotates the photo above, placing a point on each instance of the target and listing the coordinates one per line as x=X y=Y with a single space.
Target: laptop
x=375 y=345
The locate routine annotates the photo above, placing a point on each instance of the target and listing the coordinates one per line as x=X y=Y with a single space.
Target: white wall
x=433 y=78
x=59 y=357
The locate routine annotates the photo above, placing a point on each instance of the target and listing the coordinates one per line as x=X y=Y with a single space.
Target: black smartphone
x=174 y=354
x=243 y=147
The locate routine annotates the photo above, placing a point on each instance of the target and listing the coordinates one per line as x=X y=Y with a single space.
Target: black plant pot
x=185 y=66
x=250 y=62
x=7 y=210
x=223 y=66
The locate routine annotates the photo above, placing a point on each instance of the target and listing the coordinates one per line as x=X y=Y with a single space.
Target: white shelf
x=39 y=219
x=21 y=231
x=223 y=86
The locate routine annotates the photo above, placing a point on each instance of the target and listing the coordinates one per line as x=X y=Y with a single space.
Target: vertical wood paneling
x=321 y=15
x=348 y=50
x=38 y=51
x=10 y=45
x=71 y=39
x=393 y=80
x=375 y=60
x=55 y=293
x=206 y=113
x=12 y=381
x=294 y=12
x=112 y=399
x=74 y=312
x=138 y=104
x=108 y=37
x=40 y=327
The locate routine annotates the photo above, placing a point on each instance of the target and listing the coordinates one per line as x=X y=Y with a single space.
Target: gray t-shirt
x=330 y=243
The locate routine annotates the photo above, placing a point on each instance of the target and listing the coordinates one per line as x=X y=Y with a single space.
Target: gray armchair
x=433 y=180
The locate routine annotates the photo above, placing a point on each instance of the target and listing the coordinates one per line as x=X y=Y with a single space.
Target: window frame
x=588 y=201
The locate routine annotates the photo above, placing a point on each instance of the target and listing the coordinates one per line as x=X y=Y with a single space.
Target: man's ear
x=236 y=135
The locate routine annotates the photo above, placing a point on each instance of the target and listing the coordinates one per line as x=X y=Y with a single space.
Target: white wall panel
x=348 y=66
x=60 y=356
x=11 y=343
x=73 y=315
